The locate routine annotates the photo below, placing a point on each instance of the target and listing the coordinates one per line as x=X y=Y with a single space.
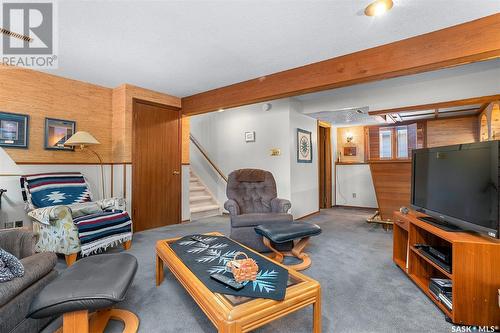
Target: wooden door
x=156 y=165
x=325 y=167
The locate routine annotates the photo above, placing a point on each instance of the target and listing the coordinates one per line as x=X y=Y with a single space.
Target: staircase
x=201 y=202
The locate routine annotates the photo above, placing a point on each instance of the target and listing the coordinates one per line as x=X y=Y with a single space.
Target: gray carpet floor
x=362 y=289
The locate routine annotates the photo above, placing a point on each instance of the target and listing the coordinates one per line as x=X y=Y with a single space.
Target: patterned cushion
x=50 y=189
x=10 y=266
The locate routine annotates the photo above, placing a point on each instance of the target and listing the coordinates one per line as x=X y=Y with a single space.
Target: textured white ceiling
x=185 y=47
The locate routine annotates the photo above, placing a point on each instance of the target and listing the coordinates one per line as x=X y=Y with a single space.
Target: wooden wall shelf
x=475 y=272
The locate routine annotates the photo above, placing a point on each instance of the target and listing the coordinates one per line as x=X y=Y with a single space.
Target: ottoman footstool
x=92 y=284
x=298 y=232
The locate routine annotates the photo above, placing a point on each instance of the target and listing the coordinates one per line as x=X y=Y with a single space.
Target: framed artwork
x=57 y=132
x=349 y=151
x=249 y=136
x=304 y=146
x=14 y=130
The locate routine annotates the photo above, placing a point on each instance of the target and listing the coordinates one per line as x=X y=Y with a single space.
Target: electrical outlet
x=354 y=195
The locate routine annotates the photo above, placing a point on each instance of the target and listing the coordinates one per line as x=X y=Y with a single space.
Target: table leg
x=159 y=271
x=317 y=314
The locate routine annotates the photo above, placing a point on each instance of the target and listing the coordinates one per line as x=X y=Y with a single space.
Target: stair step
x=198 y=198
x=196 y=188
x=203 y=208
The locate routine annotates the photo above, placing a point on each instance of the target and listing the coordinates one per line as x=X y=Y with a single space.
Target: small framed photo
x=250 y=136
x=57 y=132
x=304 y=146
x=14 y=130
x=349 y=151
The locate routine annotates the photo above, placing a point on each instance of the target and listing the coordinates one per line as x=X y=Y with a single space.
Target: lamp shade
x=81 y=138
x=7 y=165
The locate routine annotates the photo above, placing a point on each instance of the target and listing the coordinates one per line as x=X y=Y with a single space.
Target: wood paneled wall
x=442 y=132
x=104 y=112
x=42 y=95
x=392 y=182
x=123 y=97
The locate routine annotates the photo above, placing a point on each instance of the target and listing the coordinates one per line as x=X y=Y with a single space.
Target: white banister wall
x=222 y=135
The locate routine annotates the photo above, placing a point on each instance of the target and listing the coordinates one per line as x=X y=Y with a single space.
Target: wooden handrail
x=204 y=153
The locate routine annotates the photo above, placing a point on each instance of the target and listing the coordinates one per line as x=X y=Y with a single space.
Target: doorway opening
x=325 y=164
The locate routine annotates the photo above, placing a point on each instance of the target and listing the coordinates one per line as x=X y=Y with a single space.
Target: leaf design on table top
x=187 y=242
x=210 y=256
x=216 y=269
x=197 y=249
x=228 y=256
x=265 y=281
x=219 y=246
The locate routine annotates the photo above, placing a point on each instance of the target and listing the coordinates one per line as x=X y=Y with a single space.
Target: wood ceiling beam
x=440 y=105
x=461 y=44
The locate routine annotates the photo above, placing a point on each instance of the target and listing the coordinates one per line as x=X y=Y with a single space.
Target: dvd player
x=439 y=255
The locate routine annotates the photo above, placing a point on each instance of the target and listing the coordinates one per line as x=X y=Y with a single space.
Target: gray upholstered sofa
x=252 y=201
x=16 y=295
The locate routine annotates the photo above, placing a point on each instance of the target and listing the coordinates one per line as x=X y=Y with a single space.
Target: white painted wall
x=472 y=80
x=222 y=135
x=355 y=179
x=303 y=176
x=185 y=214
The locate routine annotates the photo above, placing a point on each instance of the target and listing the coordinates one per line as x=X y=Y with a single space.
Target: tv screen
x=458 y=184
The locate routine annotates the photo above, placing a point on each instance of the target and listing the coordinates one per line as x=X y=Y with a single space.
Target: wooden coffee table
x=240 y=314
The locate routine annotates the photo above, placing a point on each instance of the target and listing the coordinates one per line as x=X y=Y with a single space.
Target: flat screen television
x=457 y=186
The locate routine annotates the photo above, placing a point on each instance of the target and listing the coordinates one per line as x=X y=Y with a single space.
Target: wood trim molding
x=351 y=163
x=308 y=215
x=440 y=105
x=461 y=44
x=72 y=163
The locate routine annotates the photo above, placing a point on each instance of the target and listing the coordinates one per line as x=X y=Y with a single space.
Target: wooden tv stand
x=475 y=272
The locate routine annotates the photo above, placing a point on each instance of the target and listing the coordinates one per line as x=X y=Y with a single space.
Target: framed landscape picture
x=304 y=146
x=14 y=130
x=57 y=132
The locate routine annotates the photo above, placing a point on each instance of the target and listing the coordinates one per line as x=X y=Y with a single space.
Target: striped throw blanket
x=50 y=189
x=101 y=230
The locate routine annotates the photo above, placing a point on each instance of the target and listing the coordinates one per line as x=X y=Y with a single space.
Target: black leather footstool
x=94 y=283
x=299 y=232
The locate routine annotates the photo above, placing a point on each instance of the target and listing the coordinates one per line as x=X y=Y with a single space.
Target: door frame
x=135 y=101
x=328 y=165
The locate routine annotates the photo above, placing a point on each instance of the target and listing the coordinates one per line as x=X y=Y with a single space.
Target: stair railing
x=205 y=155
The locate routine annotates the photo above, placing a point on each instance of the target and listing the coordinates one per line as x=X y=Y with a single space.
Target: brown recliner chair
x=253 y=201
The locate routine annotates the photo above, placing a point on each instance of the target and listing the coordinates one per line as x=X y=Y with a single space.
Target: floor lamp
x=7 y=168
x=83 y=139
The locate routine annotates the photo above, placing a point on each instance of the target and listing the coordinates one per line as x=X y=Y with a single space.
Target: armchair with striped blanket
x=68 y=221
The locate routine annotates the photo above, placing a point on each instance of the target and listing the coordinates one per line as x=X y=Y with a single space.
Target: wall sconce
x=349 y=147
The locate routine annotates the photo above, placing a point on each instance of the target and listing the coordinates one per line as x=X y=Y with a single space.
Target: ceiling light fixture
x=378 y=7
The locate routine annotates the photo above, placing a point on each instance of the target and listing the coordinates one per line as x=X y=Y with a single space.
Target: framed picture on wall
x=57 y=132
x=304 y=146
x=350 y=151
x=14 y=130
